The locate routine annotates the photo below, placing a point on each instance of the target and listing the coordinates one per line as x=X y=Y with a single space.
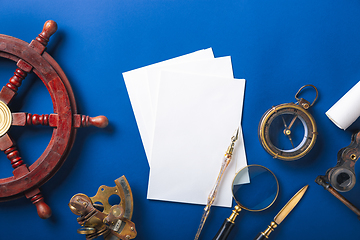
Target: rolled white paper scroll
x=345 y=111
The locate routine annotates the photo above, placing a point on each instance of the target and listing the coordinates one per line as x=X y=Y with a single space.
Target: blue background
x=277 y=46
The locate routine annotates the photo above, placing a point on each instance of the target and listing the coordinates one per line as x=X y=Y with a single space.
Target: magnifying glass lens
x=255 y=188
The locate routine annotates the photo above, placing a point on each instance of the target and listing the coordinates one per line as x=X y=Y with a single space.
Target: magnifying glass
x=255 y=188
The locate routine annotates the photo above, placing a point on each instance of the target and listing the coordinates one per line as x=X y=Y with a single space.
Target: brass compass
x=288 y=131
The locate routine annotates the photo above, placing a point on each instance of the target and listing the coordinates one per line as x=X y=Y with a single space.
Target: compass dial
x=287 y=131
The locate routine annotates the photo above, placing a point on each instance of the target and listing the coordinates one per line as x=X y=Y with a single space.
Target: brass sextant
x=99 y=218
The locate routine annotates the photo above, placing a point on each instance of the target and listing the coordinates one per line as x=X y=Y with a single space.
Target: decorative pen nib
x=211 y=198
x=234 y=138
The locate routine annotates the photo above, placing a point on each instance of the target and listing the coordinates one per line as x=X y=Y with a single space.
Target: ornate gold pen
x=282 y=214
x=211 y=198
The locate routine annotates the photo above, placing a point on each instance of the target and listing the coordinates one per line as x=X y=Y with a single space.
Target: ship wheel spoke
x=9 y=91
x=8 y=146
x=28 y=119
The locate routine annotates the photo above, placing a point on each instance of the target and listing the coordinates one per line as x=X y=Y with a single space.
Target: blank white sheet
x=196 y=117
x=137 y=85
x=215 y=67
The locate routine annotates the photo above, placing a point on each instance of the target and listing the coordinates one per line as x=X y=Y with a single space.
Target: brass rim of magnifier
x=264 y=135
x=277 y=188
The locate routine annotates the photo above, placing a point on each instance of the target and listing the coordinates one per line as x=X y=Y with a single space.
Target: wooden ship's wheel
x=65 y=120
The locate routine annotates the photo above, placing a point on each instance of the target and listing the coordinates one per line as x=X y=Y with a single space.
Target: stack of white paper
x=187 y=109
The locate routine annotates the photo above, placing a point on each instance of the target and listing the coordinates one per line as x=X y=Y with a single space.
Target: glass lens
x=288 y=132
x=255 y=188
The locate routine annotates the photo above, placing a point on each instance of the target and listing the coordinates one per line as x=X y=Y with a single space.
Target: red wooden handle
x=86 y=121
x=49 y=29
x=99 y=121
x=43 y=210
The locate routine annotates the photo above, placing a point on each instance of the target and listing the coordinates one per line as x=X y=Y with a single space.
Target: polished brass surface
x=287 y=132
x=98 y=217
x=5 y=118
x=269 y=229
x=285 y=211
x=307 y=105
x=258 y=210
x=234 y=138
x=86 y=230
x=288 y=108
x=230 y=221
x=290 y=205
x=234 y=214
